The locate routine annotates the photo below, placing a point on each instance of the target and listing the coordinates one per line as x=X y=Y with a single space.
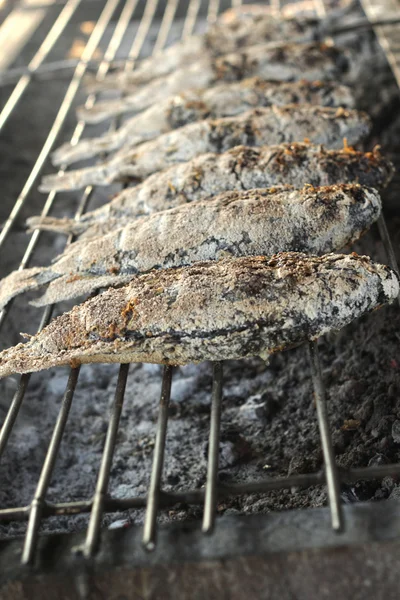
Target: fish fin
x=88 y=148
x=68 y=153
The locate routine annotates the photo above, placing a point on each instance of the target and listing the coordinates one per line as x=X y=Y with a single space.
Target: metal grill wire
x=103 y=502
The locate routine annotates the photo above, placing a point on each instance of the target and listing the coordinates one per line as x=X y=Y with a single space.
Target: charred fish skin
x=283 y=62
x=247 y=29
x=225 y=100
x=279 y=62
x=218 y=310
x=241 y=168
x=320 y=93
x=257 y=127
x=223 y=37
x=312 y=220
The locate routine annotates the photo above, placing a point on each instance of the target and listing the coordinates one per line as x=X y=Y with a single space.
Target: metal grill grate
x=102 y=502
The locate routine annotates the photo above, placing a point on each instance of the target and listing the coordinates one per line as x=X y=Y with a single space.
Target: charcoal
x=396 y=432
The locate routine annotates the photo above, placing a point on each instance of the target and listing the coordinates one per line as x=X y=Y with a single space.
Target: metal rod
x=13 y=411
x=364 y=23
x=19 y=395
x=191 y=18
x=58 y=27
x=102 y=71
x=142 y=32
x=12 y=75
x=276 y=6
x=93 y=532
x=109 y=56
x=134 y=53
x=149 y=530
x=114 y=44
x=387 y=243
x=195 y=496
x=383 y=231
x=37 y=504
x=212 y=12
x=50 y=68
x=332 y=478
x=120 y=29
x=210 y=499
x=384 y=38
x=66 y=104
x=167 y=499
x=103 y=67
x=165 y=26
x=25 y=7
x=320 y=8
x=38 y=501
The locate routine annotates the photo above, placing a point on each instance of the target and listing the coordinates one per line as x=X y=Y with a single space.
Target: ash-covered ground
x=269 y=423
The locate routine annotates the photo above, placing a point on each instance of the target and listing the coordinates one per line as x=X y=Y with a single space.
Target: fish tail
x=66 y=226
x=76 y=179
x=67 y=153
x=24 y=358
x=99 y=112
x=64 y=288
x=93 y=85
x=19 y=282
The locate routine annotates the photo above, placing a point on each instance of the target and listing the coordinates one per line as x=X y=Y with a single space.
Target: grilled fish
x=259 y=221
x=279 y=62
x=223 y=100
x=215 y=310
x=256 y=127
x=241 y=168
x=225 y=36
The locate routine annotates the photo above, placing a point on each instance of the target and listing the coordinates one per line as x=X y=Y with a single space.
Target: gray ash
x=269 y=425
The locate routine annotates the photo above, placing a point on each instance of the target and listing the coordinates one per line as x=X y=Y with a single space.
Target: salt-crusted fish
x=279 y=62
x=271 y=125
x=223 y=100
x=223 y=37
x=215 y=310
x=241 y=168
x=259 y=221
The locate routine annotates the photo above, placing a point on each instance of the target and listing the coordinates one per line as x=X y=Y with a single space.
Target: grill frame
x=102 y=502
